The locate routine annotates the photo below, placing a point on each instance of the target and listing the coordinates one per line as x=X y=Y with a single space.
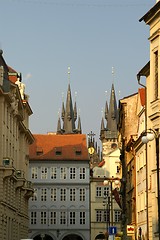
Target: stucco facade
x=60 y=172
x=15 y=137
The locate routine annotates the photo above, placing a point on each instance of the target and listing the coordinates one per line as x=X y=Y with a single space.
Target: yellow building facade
x=15 y=137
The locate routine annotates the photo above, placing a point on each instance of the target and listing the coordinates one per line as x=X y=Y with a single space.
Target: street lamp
x=107 y=182
x=150 y=135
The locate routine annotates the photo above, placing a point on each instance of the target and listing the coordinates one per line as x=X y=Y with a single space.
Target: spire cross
x=69 y=74
x=91 y=135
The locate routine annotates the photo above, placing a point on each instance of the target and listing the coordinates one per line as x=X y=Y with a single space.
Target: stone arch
x=42 y=237
x=72 y=236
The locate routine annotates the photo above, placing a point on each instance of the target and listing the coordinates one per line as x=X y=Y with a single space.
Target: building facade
x=15 y=188
x=105 y=178
x=152 y=117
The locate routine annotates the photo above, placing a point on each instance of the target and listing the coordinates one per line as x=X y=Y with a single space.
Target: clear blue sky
x=41 y=38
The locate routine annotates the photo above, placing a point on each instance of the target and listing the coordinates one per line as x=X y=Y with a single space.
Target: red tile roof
x=59 y=147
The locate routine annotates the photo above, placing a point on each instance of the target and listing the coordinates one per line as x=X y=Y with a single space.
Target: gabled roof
x=59 y=147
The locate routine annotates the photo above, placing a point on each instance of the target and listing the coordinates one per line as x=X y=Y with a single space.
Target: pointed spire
x=106 y=111
x=112 y=120
x=59 y=126
x=79 y=125
x=63 y=111
x=102 y=124
x=75 y=108
x=69 y=114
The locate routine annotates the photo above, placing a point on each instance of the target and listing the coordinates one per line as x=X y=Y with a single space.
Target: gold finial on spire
x=75 y=96
x=102 y=112
x=69 y=74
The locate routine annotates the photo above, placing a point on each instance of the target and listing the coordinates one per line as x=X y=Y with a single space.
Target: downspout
x=147 y=215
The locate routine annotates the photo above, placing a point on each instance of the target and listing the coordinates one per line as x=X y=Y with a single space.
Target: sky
x=42 y=38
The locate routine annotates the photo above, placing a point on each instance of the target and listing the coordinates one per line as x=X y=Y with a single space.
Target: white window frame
x=63 y=219
x=53 y=217
x=63 y=173
x=53 y=194
x=72 y=218
x=72 y=173
x=53 y=172
x=72 y=194
x=43 y=215
x=34 y=172
x=82 y=218
x=43 y=194
x=62 y=194
x=82 y=173
x=82 y=194
x=33 y=217
x=44 y=172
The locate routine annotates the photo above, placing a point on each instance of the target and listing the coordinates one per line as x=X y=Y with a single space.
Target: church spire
x=69 y=114
x=111 y=115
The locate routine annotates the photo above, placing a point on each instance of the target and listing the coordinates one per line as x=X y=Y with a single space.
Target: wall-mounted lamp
x=148 y=135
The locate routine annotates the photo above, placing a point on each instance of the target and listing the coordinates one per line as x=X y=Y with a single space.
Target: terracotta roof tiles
x=59 y=147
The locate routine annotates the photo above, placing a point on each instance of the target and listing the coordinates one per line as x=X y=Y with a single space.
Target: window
x=63 y=173
x=73 y=173
x=98 y=192
x=156 y=75
x=34 y=172
x=72 y=217
x=44 y=172
x=82 y=218
x=118 y=169
x=72 y=194
x=33 y=219
x=106 y=216
x=43 y=217
x=102 y=216
x=102 y=191
x=39 y=151
x=117 y=215
x=43 y=194
x=63 y=217
x=82 y=194
x=52 y=217
x=106 y=191
x=53 y=194
x=62 y=194
x=99 y=216
x=53 y=172
x=82 y=173
x=34 y=197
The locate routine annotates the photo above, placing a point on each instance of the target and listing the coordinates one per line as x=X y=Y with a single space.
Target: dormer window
x=78 y=151
x=58 y=151
x=39 y=151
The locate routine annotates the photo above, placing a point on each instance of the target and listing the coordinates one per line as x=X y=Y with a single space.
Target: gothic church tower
x=108 y=132
x=69 y=116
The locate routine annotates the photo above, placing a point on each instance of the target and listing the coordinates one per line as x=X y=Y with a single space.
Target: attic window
x=58 y=151
x=39 y=151
x=78 y=151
